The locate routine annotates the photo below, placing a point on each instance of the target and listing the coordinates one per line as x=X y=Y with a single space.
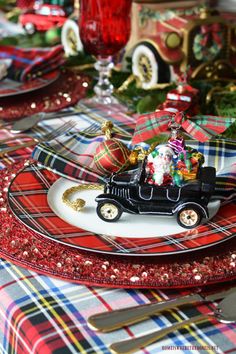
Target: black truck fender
x=123 y=203
x=201 y=208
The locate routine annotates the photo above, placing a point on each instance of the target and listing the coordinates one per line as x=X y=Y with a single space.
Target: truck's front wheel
x=109 y=211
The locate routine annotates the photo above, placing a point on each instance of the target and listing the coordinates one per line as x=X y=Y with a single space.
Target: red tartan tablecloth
x=43 y=315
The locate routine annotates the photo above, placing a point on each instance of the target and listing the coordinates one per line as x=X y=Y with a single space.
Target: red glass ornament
x=111 y=156
x=104 y=25
x=24 y=4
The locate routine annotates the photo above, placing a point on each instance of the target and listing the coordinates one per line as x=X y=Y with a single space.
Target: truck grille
x=120 y=192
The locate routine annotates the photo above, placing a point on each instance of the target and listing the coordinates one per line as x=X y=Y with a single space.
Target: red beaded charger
x=63 y=91
x=29 y=249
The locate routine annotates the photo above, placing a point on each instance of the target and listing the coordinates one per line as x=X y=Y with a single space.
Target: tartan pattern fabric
x=34 y=211
x=48 y=316
x=14 y=88
x=220 y=154
x=72 y=155
x=62 y=156
x=201 y=128
x=30 y=63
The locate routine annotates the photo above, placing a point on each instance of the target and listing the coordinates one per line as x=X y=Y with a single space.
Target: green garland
x=225 y=105
x=7 y=5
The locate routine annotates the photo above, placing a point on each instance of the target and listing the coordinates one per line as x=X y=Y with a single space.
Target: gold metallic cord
x=79 y=203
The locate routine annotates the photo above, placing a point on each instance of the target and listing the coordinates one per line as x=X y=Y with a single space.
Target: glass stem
x=104 y=88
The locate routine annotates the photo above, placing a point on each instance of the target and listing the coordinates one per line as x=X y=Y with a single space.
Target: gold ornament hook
x=106 y=128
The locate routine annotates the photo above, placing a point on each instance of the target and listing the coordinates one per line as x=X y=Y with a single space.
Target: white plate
x=129 y=225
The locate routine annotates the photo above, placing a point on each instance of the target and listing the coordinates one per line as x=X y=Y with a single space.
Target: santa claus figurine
x=159 y=166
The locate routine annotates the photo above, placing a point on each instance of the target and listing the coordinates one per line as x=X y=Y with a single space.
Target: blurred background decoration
x=188 y=37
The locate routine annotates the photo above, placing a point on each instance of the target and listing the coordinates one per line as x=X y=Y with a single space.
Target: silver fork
x=92 y=129
x=47 y=137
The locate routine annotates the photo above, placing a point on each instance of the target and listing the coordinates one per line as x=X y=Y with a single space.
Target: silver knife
x=109 y=321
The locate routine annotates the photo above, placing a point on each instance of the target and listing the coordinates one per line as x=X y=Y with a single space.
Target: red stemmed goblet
x=104 y=30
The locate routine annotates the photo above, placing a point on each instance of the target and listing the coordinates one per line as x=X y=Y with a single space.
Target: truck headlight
x=172 y=40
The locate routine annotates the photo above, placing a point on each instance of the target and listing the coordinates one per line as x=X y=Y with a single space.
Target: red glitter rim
x=61 y=93
x=32 y=251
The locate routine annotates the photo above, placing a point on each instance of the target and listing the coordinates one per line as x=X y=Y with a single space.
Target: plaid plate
x=28 y=201
x=29 y=63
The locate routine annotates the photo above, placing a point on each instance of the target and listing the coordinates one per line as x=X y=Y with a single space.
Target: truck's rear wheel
x=189 y=217
x=70 y=38
x=149 y=66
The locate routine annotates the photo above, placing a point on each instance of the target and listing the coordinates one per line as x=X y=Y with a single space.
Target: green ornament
x=154 y=153
x=181 y=156
x=188 y=164
x=53 y=36
x=178 y=178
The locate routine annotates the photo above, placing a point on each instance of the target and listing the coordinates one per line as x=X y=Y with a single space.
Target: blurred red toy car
x=45 y=16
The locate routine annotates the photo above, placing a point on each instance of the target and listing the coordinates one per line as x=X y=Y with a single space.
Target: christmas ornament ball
x=53 y=36
x=111 y=156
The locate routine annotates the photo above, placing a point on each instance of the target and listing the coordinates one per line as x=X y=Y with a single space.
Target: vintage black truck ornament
x=132 y=193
